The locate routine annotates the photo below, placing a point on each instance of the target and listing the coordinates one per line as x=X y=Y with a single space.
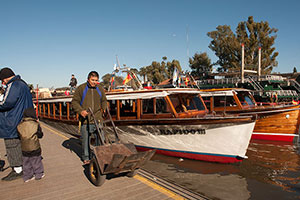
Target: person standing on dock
x=73 y=84
x=16 y=99
x=30 y=131
x=89 y=95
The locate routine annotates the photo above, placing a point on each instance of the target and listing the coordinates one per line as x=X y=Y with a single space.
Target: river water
x=272 y=171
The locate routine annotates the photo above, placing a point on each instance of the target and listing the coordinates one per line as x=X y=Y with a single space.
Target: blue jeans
x=72 y=89
x=86 y=131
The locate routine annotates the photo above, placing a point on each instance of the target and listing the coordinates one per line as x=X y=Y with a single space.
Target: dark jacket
x=16 y=99
x=73 y=82
x=92 y=99
x=30 y=131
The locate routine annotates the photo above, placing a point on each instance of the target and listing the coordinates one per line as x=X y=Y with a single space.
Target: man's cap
x=6 y=73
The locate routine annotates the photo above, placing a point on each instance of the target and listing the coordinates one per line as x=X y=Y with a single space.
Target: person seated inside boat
x=181 y=108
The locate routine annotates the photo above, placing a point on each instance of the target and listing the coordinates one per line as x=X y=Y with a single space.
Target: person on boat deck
x=89 y=95
x=17 y=98
x=73 y=84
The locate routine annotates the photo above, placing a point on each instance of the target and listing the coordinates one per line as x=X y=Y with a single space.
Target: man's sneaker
x=12 y=176
x=32 y=178
x=39 y=178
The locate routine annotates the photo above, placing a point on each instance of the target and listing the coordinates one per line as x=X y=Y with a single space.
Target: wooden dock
x=65 y=177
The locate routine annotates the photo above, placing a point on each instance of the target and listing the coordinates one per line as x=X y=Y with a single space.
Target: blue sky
x=45 y=41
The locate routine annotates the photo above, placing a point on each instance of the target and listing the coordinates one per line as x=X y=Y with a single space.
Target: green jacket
x=92 y=100
x=29 y=131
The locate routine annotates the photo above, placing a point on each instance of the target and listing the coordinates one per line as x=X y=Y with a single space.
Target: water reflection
x=271 y=170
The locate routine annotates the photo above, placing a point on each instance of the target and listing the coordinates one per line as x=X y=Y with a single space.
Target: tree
x=158 y=72
x=107 y=78
x=295 y=70
x=227 y=46
x=143 y=72
x=171 y=67
x=200 y=65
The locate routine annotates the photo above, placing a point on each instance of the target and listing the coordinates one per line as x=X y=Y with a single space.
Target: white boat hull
x=224 y=144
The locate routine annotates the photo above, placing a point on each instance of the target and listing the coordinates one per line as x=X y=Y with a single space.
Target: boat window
x=161 y=106
x=176 y=102
x=206 y=100
x=221 y=101
x=64 y=109
x=184 y=102
x=128 y=108
x=245 y=98
x=194 y=102
x=148 y=106
x=113 y=107
x=72 y=112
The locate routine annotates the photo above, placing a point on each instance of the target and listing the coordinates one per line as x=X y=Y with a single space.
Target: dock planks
x=65 y=177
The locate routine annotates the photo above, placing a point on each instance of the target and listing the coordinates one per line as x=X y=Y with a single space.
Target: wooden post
x=212 y=104
x=48 y=105
x=118 y=110
x=60 y=111
x=53 y=106
x=44 y=109
x=154 y=105
x=40 y=109
x=68 y=111
x=168 y=100
x=138 y=109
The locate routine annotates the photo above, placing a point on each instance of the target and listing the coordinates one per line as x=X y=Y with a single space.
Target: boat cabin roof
x=136 y=94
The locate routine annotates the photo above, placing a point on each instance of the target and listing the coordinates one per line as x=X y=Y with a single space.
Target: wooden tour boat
x=274 y=122
x=175 y=122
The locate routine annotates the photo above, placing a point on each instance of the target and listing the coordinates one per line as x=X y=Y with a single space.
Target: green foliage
x=295 y=70
x=106 y=80
x=158 y=72
x=200 y=64
x=227 y=46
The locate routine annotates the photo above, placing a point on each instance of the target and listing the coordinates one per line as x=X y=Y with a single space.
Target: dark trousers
x=32 y=166
x=13 y=151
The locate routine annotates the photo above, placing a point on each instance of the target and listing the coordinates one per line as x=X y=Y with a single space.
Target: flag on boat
x=295 y=102
x=187 y=81
x=175 y=76
x=127 y=79
x=112 y=80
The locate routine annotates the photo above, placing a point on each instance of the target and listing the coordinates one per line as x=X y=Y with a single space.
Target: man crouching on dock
x=89 y=95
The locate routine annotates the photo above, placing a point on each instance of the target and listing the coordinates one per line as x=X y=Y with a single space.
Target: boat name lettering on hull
x=181 y=131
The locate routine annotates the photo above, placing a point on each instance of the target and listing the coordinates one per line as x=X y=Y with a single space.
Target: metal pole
x=259 y=63
x=243 y=64
x=37 y=100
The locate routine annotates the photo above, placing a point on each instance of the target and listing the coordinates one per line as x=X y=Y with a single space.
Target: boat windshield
x=245 y=98
x=185 y=102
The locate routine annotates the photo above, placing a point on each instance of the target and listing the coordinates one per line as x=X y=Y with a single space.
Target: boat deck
x=65 y=177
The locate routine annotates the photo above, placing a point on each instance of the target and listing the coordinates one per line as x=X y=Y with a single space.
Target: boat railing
x=254 y=82
x=218 y=81
x=295 y=84
x=271 y=78
x=57 y=110
x=282 y=93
